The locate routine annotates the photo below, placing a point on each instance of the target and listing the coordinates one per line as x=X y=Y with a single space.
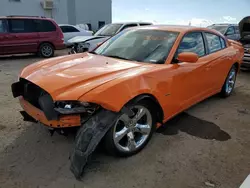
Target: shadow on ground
x=17 y=57
x=37 y=158
x=195 y=127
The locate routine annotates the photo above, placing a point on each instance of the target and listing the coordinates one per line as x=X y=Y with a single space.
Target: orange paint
x=63 y=122
x=112 y=82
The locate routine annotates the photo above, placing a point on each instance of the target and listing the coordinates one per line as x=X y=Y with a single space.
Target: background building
x=95 y=13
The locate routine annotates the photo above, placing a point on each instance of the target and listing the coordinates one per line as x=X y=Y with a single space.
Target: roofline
x=131 y=23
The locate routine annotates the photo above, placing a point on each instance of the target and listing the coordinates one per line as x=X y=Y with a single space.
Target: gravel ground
x=206 y=146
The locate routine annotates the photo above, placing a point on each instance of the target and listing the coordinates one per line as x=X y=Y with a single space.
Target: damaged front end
x=39 y=106
x=94 y=120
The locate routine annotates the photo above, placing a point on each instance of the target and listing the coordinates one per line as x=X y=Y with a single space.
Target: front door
x=22 y=37
x=191 y=81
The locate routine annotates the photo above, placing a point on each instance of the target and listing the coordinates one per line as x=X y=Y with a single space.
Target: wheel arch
x=154 y=103
x=44 y=42
x=237 y=65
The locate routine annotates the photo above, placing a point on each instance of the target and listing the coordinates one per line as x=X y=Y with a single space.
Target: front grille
x=32 y=92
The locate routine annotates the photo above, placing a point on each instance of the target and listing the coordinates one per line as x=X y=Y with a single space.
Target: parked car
x=244 y=26
x=131 y=84
x=231 y=31
x=71 y=31
x=82 y=44
x=23 y=34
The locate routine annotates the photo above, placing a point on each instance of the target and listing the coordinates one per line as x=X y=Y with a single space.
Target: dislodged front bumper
x=39 y=106
x=38 y=115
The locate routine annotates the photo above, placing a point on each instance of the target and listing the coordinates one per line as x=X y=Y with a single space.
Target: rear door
x=47 y=31
x=219 y=60
x=3 y=35
x=22 y=37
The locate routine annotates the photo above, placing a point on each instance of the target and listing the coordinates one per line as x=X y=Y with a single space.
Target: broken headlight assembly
x=82 y=47
x=75 y=107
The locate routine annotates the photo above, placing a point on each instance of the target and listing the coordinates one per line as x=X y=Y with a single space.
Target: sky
x=182 y=12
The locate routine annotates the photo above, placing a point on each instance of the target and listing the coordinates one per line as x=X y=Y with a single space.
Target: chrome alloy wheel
x=132 y=132
x=231 y=81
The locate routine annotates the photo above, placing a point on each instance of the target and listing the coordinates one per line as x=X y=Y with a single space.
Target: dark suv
x=23 y=34
x=231 y=31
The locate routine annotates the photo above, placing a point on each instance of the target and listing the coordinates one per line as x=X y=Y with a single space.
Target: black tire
x=224 y=91
x=109 y=143
x=46 y=50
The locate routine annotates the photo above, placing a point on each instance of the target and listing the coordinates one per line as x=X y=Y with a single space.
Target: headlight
x=75 y=107
x=82 y=47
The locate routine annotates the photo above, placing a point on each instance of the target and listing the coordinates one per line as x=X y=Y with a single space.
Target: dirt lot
x=207 y=146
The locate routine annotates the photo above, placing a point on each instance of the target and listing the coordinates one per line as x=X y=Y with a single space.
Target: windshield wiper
x=92 y=52
x=118 y=57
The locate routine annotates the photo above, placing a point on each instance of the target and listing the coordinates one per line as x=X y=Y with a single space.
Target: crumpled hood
x=244 y=27
x=84 y=39
x=70 y=77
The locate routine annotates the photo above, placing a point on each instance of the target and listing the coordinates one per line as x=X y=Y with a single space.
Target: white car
x=88 y=43
x=71 y=31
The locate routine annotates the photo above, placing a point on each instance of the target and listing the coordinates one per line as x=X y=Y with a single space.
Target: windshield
x=151 y=46
x=108 y=30
x=221 y=28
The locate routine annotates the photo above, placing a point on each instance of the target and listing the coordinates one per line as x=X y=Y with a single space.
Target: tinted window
x=150 y=46
x=237 y=30
x=108 y=30
x=22 y=26
x=45 y=26
x=223 y=43
x=230 y=31
x=221 y=28
x=192 y=42
x=129 y=25
x=69 y=29
x=142 y=24
x=214 y=42
x=3 y=26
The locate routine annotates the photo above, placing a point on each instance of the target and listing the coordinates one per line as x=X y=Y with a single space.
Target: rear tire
x=46 y=50
x=126 y=137
x=229 y=84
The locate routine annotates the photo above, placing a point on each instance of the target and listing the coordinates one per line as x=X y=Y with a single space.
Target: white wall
x=65 y=11
x=92 y=11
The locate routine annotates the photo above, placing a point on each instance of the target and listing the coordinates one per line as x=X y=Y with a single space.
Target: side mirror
x=188 y=57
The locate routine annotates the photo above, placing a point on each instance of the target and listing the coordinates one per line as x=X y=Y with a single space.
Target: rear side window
x=69 y=29
x=3 y=26
x=214 y=42
x=45 y=26
x=21 y=26
x=192 y=42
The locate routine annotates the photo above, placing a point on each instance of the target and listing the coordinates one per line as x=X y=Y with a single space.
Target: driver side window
x=230 y=31
x=192 y=42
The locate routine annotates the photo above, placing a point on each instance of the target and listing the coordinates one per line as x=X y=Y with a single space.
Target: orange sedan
x=144 y=76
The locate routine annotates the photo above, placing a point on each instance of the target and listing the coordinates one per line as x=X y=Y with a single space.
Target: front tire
x=46 y=50
x=129 y=135
x=229 y=84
